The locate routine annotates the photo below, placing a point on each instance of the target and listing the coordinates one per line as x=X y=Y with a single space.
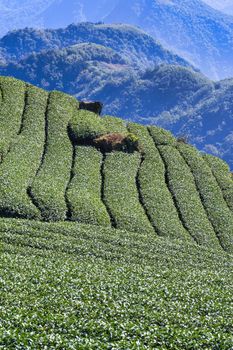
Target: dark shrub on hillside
x=183 y=139
x=117 y=142
x=95 y=107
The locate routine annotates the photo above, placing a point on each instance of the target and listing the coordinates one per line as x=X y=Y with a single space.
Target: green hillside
x=124 y=246
x=51 y=170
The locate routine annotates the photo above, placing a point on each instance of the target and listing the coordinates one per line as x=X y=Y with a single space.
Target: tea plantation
x=108 y=250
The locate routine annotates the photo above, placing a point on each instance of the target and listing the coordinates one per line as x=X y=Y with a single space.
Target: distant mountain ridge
x=191 y=28
x=132 y=43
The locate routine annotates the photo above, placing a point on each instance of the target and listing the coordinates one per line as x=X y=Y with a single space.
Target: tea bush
x=69 y=286
x=84 y=191
x=85 y=126
x=114 y=125
x=162 y=136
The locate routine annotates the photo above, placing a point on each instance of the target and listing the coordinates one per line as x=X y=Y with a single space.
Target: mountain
x=191 y=28
x=102 y=53
x=102 y=247
x=132 y=43
x=77 y=70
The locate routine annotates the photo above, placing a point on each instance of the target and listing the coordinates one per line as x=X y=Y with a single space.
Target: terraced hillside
x=51 y=170
x=103 y=249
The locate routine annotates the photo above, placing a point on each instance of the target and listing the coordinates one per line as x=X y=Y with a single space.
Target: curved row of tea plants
x=84 y=191
x=217 y=210
x=156 y=196
x=153 y=190
x=49 y=186
x=20 y=165
x=182 y=185
x=11 y=111
x=221 y=172
x=121 y=193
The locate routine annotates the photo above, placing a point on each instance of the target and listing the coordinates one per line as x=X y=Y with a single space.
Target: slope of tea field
x=51 y=170
x=128 y=249
x=74 y=286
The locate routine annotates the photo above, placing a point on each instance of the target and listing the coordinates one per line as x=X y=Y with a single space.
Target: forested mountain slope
x=191 y=28
x=131 y=42
x=77 y=69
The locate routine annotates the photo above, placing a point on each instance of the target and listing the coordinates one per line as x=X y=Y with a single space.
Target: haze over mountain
x=221 y=5
x=77 y=69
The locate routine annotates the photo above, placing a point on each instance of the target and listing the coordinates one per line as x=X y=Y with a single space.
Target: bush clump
x=117 y=142
x=85 y=126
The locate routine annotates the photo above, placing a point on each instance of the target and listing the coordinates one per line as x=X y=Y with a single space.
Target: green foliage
x=114 y=125
x=217 y=210
x=121 y=194
x=12 y=93
x=49 y=186
x=223 y=176
x=84 y=191
x=156 y=196
x=85 y=126
x=182 y=184
x=21 y=163
x=161 y=136
x=69 y=286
